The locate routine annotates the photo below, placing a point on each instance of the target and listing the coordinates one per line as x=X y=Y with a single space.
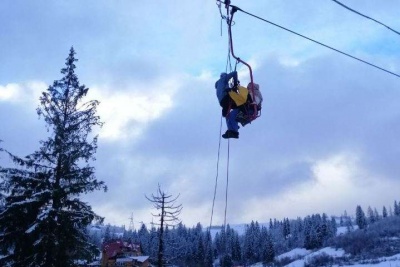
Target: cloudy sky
x=327 y=140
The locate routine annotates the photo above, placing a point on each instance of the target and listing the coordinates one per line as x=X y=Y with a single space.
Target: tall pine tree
x=44 y=222
x=396 y=209
x=361 y=220
x=384 y=212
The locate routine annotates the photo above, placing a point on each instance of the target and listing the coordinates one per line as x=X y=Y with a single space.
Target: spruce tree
x=44 y=221
x=361 y=220
x=376 y=215
x=269 y=251
x=200 y=253
x=236 y=250
x=209 y=257
x=251 y=240
x=371 y=215
x=286 y=228
x=384 y=212
x=349 y=224
x=107 y=234
x=144 y=239
x=333 y=227
x=396 y=209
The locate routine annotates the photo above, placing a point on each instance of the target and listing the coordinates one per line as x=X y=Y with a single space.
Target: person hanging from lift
x=252 y=108
x=230 y=98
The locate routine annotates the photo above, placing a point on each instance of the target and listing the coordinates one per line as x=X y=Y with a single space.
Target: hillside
x=377 y=245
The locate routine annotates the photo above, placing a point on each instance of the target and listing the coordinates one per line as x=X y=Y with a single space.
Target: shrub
x=322 y=259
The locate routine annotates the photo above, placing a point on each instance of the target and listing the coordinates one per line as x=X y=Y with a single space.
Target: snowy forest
x=44 y=222
x=200 y=246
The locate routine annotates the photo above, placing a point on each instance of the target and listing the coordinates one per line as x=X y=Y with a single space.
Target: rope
x=227 y=185
x=216 y=180
x=228 y=62
x=216 y=177
x=317 y=42
x=222 y=17
x=365 y=16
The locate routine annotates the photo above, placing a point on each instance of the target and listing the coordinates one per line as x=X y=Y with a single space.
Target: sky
x=327 y=139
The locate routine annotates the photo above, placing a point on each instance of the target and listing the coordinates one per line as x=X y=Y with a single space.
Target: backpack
x=239 y=96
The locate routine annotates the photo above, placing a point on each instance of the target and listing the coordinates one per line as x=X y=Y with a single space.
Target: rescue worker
x=229 y=107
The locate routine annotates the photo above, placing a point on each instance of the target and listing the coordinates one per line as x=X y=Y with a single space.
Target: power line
x=235 y=8
x=365 y=16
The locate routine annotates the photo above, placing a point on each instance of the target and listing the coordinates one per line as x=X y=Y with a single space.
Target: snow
x=306 y=255
x=329 y=251
x=32 y=228
x=379 y=264
x=341 y=230
x=140 y=258
x=295 y=253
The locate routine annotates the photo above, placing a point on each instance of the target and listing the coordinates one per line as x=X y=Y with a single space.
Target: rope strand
x=227 y=185
x=216 y=177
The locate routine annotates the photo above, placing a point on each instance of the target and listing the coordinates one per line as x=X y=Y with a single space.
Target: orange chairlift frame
x=256 y=112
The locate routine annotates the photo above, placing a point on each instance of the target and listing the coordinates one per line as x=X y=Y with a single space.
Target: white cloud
x=27 y=92
x=9 y=92
x=339 y=183
x=127 y=112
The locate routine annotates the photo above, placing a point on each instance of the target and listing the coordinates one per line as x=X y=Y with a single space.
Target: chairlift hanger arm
x=233 y=11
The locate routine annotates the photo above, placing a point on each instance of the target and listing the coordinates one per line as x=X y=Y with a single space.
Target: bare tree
x=168 y=216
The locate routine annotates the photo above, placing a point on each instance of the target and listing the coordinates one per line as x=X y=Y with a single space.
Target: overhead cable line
x=312 y=40
x=365 y=16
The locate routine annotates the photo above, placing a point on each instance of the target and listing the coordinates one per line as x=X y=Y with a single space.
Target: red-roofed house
x=118 y=253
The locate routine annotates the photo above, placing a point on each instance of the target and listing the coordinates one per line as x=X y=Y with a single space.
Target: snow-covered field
x=303 y=255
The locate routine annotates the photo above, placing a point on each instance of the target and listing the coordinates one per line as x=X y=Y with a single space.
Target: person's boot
x=230 y=134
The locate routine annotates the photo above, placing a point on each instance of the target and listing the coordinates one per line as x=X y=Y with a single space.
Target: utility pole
x=131 y=224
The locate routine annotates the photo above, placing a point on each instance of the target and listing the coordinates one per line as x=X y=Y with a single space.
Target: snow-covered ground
x=303 y=255
x=328 y=251
x=295 y=253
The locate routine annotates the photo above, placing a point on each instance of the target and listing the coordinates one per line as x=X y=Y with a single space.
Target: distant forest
x=360 y=236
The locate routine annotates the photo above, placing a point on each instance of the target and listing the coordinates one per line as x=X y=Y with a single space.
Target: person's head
x=255 y=86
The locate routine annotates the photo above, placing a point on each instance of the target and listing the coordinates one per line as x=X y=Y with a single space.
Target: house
x=119 y=253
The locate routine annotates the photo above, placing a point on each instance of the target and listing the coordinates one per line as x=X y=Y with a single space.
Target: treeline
x=362 y=220
x=197 y=246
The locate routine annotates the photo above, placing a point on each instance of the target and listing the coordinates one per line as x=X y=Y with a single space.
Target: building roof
x=124 y=259
x=114 y=247
x=140 y=258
